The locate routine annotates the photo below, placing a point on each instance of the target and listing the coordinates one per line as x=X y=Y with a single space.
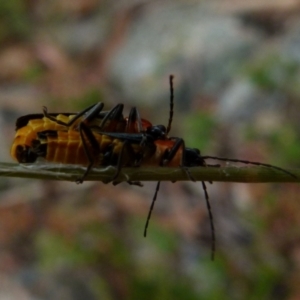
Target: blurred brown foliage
x=61 y=240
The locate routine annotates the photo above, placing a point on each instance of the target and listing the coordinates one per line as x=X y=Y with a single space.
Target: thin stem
x=47 y=171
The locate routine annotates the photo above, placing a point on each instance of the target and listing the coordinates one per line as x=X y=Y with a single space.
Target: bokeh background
x=237 y=94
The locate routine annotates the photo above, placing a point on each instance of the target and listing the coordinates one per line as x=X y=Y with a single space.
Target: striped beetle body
x=28 y=127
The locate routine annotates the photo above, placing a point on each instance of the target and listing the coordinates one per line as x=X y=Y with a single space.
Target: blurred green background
x=237 y=75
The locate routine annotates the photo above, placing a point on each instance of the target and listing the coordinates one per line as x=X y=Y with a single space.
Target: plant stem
x=253 y=174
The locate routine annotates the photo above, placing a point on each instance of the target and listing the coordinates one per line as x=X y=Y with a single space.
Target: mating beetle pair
x=96 y=138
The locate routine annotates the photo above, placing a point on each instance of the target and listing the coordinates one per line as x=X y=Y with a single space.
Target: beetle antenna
x=151 y=208
x=171 y=103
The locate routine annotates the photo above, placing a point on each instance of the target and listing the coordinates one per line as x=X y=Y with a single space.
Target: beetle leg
x=133 y=118
x=125 y=150
x=86 y=133
x=113 y=114
x=95 y=110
